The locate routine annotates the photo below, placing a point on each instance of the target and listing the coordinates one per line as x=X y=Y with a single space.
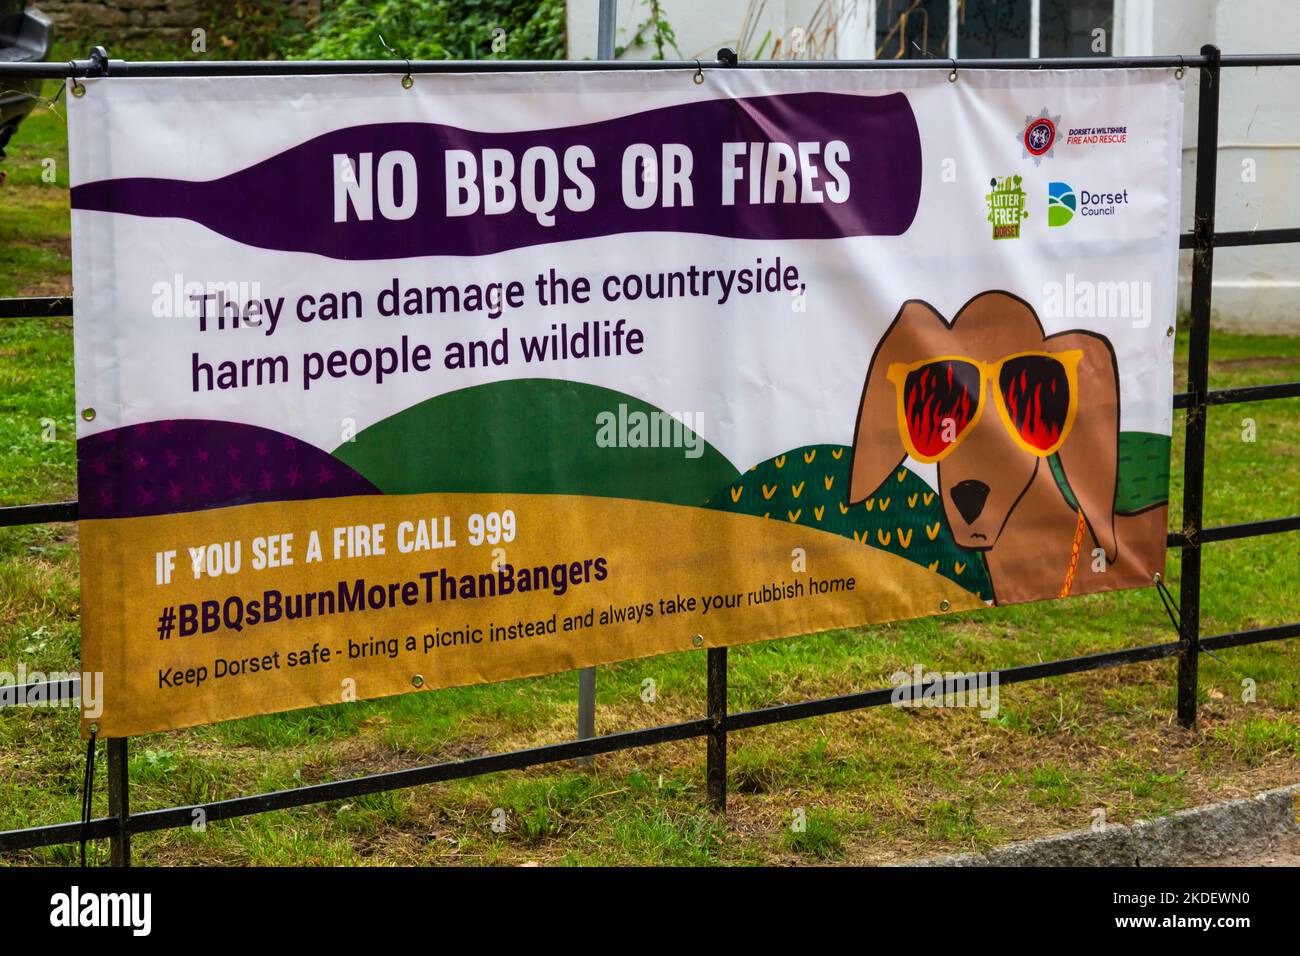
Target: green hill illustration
x=1143 y=473
x=540 y=436
x=536 y=436
x=904 y=515
x=808 y=486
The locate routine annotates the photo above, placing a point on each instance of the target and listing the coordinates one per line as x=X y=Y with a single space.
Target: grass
x=867 y=787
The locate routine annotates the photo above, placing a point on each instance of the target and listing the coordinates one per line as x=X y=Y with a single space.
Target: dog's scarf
x=1074 y=556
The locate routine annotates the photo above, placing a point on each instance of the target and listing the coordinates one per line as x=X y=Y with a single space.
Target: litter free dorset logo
x=1062 y=204
x=1006 y=202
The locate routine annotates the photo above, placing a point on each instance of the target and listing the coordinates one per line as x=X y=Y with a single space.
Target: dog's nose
x=969 y=497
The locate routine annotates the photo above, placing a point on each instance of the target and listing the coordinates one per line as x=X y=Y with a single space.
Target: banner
x=385 y=389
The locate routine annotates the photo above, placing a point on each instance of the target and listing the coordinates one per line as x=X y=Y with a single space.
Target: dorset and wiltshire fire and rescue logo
x=1039 y=136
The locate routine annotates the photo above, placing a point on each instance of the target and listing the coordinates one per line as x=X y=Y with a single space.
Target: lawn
x=874 y=786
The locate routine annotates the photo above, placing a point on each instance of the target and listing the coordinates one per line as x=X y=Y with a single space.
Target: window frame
x=1131 y=33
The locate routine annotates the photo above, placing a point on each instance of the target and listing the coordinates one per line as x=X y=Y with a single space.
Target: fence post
x=717 y=739
x=586 y=709
x=605 y=24
x=716 y=759
x=1198 y=374
x=119 y=802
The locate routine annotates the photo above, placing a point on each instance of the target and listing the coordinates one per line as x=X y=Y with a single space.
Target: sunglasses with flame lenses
x=941 y=399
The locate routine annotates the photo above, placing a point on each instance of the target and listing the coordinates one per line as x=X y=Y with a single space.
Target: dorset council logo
x=1062 y=204
x=1039 y=136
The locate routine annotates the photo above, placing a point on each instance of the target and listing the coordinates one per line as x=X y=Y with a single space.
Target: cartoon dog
x=990 y=399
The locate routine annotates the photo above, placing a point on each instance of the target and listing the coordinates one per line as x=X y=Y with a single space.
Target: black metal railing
x=119 y=826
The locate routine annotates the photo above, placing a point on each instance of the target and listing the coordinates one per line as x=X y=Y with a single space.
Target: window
x=990 y=29
x=1066 y=26
x=911 y=29
x=987 y=29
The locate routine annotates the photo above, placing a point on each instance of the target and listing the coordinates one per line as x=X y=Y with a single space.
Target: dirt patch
x=359 y=758
x=1285 y=851
x=60 y=286
x=1271 y=361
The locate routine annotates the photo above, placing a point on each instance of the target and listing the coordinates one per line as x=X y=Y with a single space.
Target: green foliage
x=250 y=29
x=436 y=30
x=654 y=31
x=351 y=29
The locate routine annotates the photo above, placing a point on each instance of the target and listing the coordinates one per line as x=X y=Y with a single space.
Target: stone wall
x=132 y=23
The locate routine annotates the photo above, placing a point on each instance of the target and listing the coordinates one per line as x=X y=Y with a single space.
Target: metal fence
x=716 y=723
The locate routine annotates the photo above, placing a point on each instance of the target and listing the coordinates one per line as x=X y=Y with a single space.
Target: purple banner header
x=794 y=166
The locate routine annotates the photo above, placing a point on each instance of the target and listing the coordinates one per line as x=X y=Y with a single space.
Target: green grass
x=870 y=786
x=817 y=836
x=36 y=255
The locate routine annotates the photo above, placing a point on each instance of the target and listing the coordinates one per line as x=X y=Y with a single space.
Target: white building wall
x=1255 y=288
x=702 y=26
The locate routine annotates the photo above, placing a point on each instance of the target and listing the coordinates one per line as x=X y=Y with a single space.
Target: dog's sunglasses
x=941 y=399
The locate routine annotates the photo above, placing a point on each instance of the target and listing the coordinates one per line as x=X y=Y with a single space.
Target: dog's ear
x=917 y=331
x=1090 y=455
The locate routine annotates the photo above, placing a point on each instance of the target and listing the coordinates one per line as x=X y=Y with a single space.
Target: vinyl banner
x=384 y=389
